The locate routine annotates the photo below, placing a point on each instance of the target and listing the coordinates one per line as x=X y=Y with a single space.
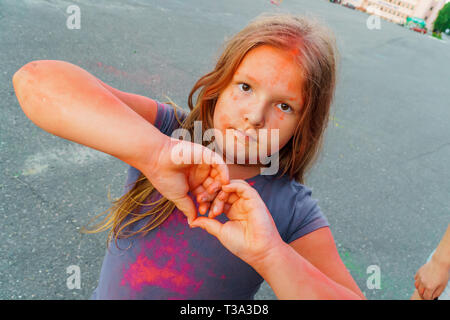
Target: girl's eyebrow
x=248 y=77
x=255 y=81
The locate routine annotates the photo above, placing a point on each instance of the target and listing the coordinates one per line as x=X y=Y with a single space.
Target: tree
x=442 y=21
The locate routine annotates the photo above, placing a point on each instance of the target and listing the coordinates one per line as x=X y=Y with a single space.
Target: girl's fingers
x=218 y=204
x=226 y=208
x=242 y=189
x=208 y=181
x=216 y=162
x=212 y=226
x=222 y=203
x=233 y=197
x=214 y=173
x=197 y=191
x=211 y=185
x=202 y=195
x=214 y=187
x=203 y=191
x=198 y=175
x=203 y=208
x=186 y=206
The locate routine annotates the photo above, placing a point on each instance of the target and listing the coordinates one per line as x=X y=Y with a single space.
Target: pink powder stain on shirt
x=176 y=274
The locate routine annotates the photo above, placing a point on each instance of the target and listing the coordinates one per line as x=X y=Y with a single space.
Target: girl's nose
x=255 y=118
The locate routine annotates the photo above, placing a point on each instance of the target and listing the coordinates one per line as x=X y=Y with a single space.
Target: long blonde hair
x=316 y=52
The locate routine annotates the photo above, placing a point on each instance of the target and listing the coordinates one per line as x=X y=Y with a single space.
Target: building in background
x=398 y=10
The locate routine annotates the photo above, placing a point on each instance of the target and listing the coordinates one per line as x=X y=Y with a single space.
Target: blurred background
x=383 y=179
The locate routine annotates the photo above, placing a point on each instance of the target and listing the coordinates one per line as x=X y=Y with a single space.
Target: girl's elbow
x=25 y=72
x=27 y=83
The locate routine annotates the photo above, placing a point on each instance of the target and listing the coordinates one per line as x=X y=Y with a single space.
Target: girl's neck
x=238 y=171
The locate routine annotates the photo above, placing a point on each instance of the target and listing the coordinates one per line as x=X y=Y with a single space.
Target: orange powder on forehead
x=294 y=51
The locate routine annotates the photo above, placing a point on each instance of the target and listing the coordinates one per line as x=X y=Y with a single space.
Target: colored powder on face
x=294 y=51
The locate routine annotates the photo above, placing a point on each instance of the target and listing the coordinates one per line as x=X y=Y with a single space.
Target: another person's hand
x=431 y=279
x=250 y=233
x=174 y=176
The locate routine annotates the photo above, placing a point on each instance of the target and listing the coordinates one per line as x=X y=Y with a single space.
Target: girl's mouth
x=244 y=138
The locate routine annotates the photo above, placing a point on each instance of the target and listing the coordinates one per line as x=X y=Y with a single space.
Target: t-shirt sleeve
x=166 y=123
x=306 y=216
x=165 y=120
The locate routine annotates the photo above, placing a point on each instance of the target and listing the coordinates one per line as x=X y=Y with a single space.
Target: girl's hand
x=174 y=179
x=207 y=191
x=431 y=279
x=250 y=233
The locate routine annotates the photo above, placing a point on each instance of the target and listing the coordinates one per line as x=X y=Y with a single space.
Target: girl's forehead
x=264 y=52
x=272 y=68
x=268 y=58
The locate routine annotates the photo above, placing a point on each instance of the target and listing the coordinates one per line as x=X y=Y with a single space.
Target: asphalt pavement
x=383 y=180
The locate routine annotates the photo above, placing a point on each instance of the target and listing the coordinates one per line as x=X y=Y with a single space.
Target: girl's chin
x=246 y=154
x=241 y=158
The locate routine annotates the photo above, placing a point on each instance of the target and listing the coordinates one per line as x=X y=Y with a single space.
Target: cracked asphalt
x=383 y=180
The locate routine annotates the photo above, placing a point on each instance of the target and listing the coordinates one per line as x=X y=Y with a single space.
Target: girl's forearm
x=442 y=253
x=292 y=277
x=71 y=105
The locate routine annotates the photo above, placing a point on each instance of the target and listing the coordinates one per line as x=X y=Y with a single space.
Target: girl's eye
x=245 y=86
x=286 y=105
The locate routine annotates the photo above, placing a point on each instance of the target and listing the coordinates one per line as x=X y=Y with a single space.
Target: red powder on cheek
x=224 y=121
x=280 y=117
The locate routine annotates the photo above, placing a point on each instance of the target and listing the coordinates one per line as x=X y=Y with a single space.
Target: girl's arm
x=292 y=276
x=144 y=106
x=251 y=234
x=67 y=101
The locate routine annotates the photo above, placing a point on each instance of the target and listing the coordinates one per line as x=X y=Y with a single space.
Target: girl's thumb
x=212 y=226
x=186 y=205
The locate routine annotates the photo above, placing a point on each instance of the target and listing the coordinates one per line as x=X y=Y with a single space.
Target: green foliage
x=437 y=35
x=442 y=21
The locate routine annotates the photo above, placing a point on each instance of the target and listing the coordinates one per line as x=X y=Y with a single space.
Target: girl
x=277 y=74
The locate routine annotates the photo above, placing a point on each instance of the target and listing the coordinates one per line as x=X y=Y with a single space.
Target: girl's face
x=265 y=93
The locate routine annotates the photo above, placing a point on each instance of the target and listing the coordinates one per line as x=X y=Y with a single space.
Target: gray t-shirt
x=174 y=261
